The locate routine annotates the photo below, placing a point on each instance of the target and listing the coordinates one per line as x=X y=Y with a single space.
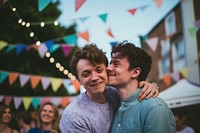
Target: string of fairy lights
x=48 y=55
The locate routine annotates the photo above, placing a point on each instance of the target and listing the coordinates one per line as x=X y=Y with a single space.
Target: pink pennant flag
x=45 y=99
x=132 y=11
x=42 y=49
x=158 y=3
x=152 y=43
x=23 y=79
x=78 y=4
x=175 y=76
x=110 y=33
x=45 y=82
x=8 y=100
x=66 y=49
x=17 y=102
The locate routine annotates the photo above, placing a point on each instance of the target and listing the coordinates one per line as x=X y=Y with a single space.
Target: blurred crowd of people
x=44 y=120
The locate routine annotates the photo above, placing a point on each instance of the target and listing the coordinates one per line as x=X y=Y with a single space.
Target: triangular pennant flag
x=103 y=17
x=45 y=100
x=66 y=83
x=17 y=102
x=76 y=84
x=8 y=100
x=54 y=48
x=10 y=48
x=19 y=48
x=28 y=47
x=56 y=83
x=23 y=79
x=42 y=4
x=12 y=77
x=35 y=47
x=175 y=76
x=143 y=38
x=152 y=43
x=84 y=35
x=167 y=79
x=56 y=100
x=71 y=39
x=1 y=98
x=132 y=11
x=110 y=33
x=34 y=81
x=45 y=82
x=78 y=4
x=71 y=89
x=27 y=102
x=113 y=43
x=3 y=76
x=35 y=102
x=192 y=31
x=65 y=101
x=66 y=49
x=184 y=72
x=3 y=44
x=197 y=23
x=158 y=3
x=49 y=44
x=143 y=8
x=42 y=50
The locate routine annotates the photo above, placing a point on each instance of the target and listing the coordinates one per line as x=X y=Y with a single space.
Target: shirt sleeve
x=159 y=119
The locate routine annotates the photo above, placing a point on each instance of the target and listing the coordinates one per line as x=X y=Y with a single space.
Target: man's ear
x=136 y=72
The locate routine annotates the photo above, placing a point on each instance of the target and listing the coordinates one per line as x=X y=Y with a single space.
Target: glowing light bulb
x=19 y=21
x=51 y=60
x=38 y=43
x=28 y=24
x=42 y=24
x=31 y=34
x=47 y=54
x=13 y=9
x=55 y=23
x=65 y=72
x=58 y=65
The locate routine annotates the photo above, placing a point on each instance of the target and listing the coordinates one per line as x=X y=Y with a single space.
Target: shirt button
x=119 y=125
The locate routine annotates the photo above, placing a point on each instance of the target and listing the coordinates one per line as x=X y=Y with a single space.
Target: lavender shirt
x=86 y=116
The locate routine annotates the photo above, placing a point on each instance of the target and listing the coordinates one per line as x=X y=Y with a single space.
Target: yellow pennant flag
x=184 y=72
x=56 y=83
x=3 y=44
x=27 y=102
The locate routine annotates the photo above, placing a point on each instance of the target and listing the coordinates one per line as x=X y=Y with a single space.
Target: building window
x=170 y=24
x=178 y=54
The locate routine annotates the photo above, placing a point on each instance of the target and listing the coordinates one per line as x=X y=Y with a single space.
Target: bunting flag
x=8 y=100
x=34 y=81
x=17 y=102
x=65 y=101
x=3 y=76
x=103 y=17
x=184 y=72
x=36 y=102
x=49 y=44
x=113 y=43
x=83 y=19
x=70 y=86
x=10 y=48
x=55 y=100
x=19 y=48
x=143 y=8
x=84 y=35
x=78 y=4
x=132 y=11
x=66 y=49
x=12 y=77
x=42 y=49
x=143 y=38
x=71 y=39
x=27 y=102
x=175 y=76
x=3 y=44
x=167 y=79
x=158 y=3
x=152 y=43
x=109 y=32
x=43 y=4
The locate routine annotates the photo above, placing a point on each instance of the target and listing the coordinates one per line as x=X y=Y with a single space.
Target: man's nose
x=109 y=68
x=94 y=76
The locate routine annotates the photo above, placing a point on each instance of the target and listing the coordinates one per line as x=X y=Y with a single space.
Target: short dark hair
x=89 y=52
x=136 y=56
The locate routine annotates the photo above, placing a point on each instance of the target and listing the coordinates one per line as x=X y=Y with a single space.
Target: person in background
x=49 y=118
x=24 y=121
x=182 y=124
x=129 y=65
x=94 y=110
x=5 y=119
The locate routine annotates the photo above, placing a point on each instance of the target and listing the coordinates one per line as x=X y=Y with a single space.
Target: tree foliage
x=29 y=62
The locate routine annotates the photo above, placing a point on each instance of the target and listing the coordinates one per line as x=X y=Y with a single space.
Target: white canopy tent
x=183 y=93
